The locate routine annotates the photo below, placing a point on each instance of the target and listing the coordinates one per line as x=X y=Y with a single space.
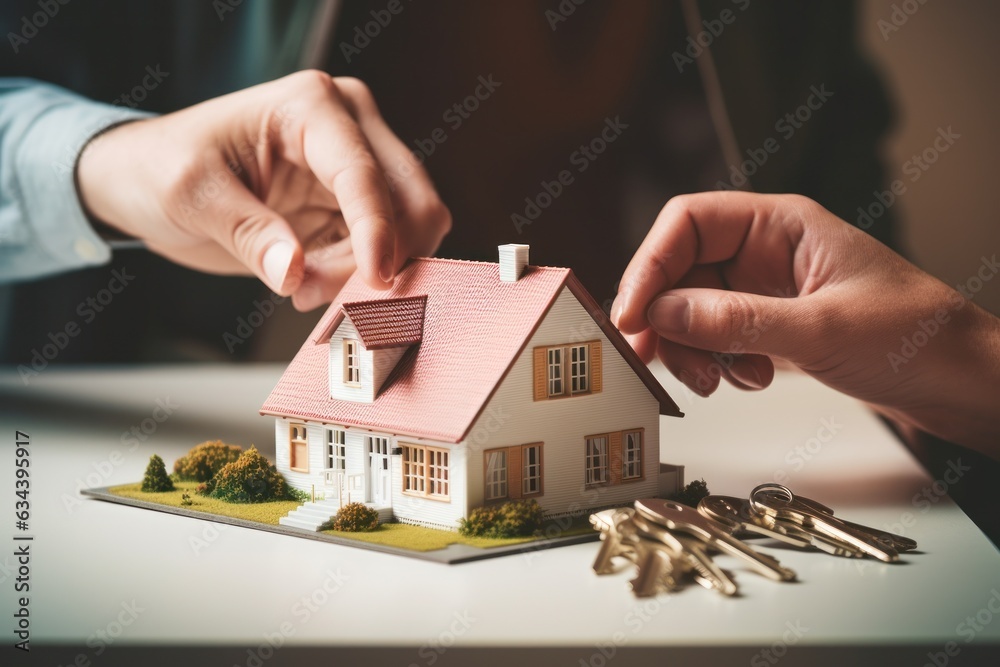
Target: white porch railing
x=339 y=483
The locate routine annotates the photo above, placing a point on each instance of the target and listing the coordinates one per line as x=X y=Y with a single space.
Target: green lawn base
x=395 y=535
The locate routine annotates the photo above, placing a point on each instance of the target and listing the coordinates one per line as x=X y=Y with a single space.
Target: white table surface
x=91 y=557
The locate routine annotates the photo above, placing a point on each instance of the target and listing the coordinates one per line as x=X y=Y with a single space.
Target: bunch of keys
x=772 y=510
x=670 y=543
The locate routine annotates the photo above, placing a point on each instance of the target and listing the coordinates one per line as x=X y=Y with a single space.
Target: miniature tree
x=355 y=518
x=249 y=479
x=205 y=460
x=514 y=518
x=156 y=479
x=691 y=494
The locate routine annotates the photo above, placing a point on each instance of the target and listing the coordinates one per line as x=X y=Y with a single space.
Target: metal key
x=735 y=516
x=779 y=502
x=897 y=542
x=617 y=538
x=690 y=552
x=677 y=517
x=659 y=560
x=657 y=567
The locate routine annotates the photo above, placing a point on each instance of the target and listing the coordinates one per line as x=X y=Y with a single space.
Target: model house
x=468 y=383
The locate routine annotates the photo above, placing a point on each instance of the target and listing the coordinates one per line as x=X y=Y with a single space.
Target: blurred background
x=900 y=72
x=941 y=70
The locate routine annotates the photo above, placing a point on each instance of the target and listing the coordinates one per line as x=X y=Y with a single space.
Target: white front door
x=378 y=470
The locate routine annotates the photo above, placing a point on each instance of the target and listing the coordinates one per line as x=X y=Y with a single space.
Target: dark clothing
x=611 y=73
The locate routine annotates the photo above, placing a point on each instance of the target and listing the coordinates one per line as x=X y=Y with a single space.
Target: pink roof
x=386 y=322
x=474 y=328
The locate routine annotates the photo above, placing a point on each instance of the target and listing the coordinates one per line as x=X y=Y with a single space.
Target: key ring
x=781 y=489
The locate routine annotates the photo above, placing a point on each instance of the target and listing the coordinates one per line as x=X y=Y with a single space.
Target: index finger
x=702 y=228
x=337 y=152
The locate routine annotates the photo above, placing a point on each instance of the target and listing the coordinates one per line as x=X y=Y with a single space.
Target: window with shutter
x=567 y=370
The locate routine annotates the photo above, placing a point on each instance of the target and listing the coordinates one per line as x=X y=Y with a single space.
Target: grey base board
x=451 y=555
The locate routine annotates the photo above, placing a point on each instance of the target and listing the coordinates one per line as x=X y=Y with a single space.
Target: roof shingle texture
x=388 y=322
x=474 y=326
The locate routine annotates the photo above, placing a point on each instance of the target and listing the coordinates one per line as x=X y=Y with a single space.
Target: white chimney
x=513 y=259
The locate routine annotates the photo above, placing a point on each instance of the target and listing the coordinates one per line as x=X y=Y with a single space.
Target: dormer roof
x=383 y=323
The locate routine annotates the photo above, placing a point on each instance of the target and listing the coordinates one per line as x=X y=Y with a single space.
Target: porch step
x=311 y=515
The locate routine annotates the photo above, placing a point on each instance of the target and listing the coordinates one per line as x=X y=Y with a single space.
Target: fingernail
x=747 y=374
x=277 y=259
x=671 y=314
x=616 y=309
x=386 y=269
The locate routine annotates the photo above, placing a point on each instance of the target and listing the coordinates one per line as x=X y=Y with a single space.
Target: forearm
x=961 y=389
x=43 y=228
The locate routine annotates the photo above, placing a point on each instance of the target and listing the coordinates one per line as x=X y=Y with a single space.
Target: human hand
x=727 y=281
x=284 y=180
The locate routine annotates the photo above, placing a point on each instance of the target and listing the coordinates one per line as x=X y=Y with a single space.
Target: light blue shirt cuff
x=52 y=233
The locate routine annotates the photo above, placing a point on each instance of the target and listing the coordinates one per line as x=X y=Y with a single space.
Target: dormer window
x=367 y=341
x=352 y=362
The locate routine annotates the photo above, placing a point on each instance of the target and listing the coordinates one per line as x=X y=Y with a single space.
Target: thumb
x=723 y=320
x=258 y=237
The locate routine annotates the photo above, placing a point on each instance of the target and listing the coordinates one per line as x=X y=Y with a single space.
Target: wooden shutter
x=615 y=457
x=596 y=375
x=514 y=472
x=541 y=374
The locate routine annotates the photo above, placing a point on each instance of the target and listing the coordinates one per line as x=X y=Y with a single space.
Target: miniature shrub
x=205 y=460
x=691 y=494
x=355 y=518
x=515 y=518
x=156 y=479
x=204 y=489
x=249 y=479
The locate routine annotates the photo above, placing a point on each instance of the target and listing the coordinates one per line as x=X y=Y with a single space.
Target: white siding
x=375 y=366
x=383 y=361
x=355 y=453
x=315 y=439
x=513 y=417
x=339 y=390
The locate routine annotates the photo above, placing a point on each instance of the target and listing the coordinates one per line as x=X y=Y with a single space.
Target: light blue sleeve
x=43 y=229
